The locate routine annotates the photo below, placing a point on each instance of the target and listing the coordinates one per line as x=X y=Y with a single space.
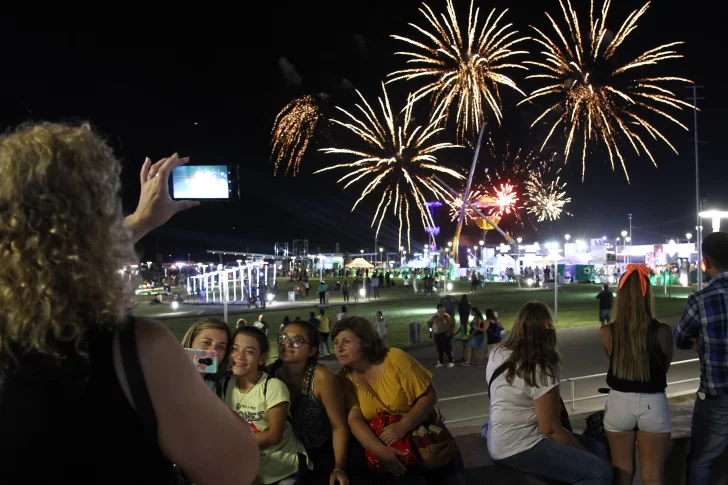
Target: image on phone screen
x=201 y=182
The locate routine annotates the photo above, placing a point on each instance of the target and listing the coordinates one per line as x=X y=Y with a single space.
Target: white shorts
x=626 y=411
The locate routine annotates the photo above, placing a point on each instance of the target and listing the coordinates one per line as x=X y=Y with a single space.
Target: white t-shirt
x=340 y=316
x=512 y=424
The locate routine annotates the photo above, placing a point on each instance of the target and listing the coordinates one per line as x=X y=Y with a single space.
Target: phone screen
x=204 y=360
x=201 y=182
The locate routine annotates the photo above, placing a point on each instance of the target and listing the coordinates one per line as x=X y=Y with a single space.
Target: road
x=462 y=390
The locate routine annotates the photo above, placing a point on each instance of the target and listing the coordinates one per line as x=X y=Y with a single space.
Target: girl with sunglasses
x=263 y=402
x=317 y=403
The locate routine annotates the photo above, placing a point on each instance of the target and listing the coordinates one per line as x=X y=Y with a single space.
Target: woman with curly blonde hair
x=116 y=391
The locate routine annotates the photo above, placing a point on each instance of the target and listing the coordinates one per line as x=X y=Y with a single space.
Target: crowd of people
x=120 y=396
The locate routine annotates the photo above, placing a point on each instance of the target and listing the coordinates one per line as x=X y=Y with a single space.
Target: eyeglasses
x=296 y=342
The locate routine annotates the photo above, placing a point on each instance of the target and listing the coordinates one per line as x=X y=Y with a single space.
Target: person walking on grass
x=406 y=284
x=441 y=328
x=606 y=299
x=355 y=286
x=369 y=286
x=703 y=327
x=375 y=286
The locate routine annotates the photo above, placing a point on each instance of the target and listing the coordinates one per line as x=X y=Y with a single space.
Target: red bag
x=381 y=421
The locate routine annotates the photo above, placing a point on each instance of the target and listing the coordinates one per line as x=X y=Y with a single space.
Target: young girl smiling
x=263 y=402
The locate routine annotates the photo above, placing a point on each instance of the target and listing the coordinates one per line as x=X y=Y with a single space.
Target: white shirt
x=512 y=425
x=340 y=316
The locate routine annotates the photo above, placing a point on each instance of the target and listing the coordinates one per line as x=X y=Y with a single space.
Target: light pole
x=624 y=250
x=629 y=257
x=381 y=256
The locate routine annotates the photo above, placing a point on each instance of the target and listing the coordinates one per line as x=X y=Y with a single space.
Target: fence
x=573 y=380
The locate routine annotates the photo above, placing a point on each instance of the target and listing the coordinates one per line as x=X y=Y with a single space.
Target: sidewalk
x=481 y=469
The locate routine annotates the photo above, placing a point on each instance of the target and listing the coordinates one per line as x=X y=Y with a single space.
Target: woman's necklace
x=243 y=391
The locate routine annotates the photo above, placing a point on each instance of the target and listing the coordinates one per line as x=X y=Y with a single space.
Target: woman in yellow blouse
x=401 y=383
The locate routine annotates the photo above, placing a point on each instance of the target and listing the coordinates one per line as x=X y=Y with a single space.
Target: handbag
x=430 y=444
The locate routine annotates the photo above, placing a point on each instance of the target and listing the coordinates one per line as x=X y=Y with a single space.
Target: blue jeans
x=554 y=461
x=708 y=439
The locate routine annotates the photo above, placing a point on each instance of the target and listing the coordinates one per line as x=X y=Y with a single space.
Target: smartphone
x=205 y=182
x=204 y=360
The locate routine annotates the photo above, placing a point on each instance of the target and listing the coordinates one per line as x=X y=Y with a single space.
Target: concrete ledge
x=479 y=467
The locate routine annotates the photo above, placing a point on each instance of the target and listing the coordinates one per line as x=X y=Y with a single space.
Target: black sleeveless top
x=72 y=423
x=657 y=382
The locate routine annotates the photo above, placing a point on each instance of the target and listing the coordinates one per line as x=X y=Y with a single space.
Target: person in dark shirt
x=606 y=299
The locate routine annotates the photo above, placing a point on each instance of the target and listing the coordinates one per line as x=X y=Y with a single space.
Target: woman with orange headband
x=640 y=351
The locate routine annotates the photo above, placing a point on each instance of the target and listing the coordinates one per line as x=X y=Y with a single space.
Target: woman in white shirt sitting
x=524 y=428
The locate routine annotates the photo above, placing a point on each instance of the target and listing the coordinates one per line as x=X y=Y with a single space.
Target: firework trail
x=293 y=129
x=397 y=162
x=463 y=73
x=599 y=101
x=456 y=203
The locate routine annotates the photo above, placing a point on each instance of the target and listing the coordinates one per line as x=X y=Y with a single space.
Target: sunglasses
x=296 y=342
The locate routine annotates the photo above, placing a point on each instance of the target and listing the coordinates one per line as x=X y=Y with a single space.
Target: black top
x=72 y=424
x=605 y=300
x=657 y=382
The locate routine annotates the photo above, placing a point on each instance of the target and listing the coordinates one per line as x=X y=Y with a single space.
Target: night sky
x=209 y=84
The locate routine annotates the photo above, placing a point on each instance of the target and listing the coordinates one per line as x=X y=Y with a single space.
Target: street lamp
x=567 y=237
x=716 y=216
x=624 y=249
x=481 y=243
x=689 y=236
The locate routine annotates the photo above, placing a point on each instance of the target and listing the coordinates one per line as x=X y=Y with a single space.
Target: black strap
x=135 y=378
x=500 y=370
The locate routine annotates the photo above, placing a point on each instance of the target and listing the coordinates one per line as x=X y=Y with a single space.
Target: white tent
x=550 y=259
x=500 y=261
x=360 y=263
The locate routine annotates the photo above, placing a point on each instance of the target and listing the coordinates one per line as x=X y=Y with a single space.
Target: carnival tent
x=360 y=263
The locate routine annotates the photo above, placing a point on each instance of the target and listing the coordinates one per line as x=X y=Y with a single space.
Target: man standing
x=442 y=327
x=375 y=285
x=606 y=299
x=703 y=326
x=324 y=329
x=322 y=289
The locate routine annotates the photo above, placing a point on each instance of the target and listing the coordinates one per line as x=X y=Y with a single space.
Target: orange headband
x=642 y=270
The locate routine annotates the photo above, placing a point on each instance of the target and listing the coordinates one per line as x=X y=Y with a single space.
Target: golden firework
x=599 y=100
x=398 y=161
x=463 y=73
x=506 y=199
x=546 y=198
x=293 y=129
x=456 y=203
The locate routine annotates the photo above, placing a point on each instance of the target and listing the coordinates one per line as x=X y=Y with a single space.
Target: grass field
x=577 y=307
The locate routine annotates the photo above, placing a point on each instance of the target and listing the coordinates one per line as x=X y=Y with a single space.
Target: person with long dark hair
x=640 y=351
x=476 y=342
x=524 y=427
x=317 y=402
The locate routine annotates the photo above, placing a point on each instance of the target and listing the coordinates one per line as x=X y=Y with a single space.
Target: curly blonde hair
x=63 y=239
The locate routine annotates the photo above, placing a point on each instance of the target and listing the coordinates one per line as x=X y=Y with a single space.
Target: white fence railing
x=572 y=382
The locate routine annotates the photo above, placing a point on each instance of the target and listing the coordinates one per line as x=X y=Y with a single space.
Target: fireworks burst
x=398 y=163
x=506 y=199
x=457 y=203
x=600 y=101
x=546 y=199
x=462 y=73
x=293 y=129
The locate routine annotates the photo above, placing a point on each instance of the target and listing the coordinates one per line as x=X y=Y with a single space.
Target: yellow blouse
x=403 y=381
